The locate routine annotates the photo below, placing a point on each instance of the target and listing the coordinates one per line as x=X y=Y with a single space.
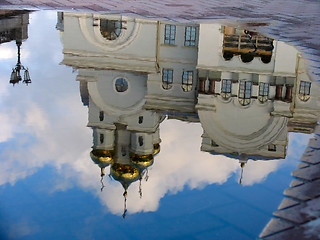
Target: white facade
x=14 y=26
x=246 y=107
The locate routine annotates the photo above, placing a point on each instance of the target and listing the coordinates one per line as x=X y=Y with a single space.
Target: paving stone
x=287 y=202
x=312 y=156
x=312 y=207
x=304 y=192
x=291 y=234
x=314 y=143
x=295 y=183
x=294 y=214
x=274 y=226
x=309 y=173
x=303 y=165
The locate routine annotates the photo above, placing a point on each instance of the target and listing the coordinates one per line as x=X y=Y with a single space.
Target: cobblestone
x=302 y=209
x=276 y=225
x=308 y=173
x=287 y=202
x=304 y=192
x=294 y=214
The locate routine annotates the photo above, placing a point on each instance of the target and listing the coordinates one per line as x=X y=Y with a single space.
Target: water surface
x=138 y=128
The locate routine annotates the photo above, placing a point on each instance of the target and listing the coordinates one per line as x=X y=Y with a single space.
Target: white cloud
x=257 y=171
x=7 y=52
x=22 y=229
x=6 y=128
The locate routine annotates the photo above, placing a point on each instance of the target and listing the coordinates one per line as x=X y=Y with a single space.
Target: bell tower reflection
x=125 y=136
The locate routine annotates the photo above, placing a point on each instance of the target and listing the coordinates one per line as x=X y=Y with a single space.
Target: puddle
x=184 y=129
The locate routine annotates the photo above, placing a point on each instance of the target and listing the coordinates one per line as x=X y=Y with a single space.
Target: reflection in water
x=14 y=27
x=246 y=90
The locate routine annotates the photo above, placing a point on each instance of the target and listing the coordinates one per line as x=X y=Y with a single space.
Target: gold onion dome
x=101 y=157
x=124 y=173
x=141 y=161
x=156 y=148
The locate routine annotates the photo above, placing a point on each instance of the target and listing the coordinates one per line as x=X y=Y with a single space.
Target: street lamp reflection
x=15 y=75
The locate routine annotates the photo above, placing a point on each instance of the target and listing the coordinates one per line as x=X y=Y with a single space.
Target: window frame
x=264 y=89
x=186 y=85
x=166 y=73
x=304 y=90
x=190 y=41
x=244 y=94
x=226 y=88
x=170 y=34
x=115 y=26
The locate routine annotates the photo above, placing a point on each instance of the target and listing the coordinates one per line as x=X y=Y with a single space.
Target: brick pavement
x=298 y=216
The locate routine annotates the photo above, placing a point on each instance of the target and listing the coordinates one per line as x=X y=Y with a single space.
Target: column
x=288 y=96
x=279 y=92
x=202 y=85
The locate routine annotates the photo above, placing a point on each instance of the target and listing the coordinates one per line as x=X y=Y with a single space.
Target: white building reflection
x=246 y=90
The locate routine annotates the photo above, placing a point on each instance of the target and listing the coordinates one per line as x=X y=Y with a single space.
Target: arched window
x=101 y=116
x=110 y=29
x=246 y=57
x=245 y=92
x=123 y=150
x=101 y=138
x=140 y=140
x=304 y=91
x=167 y=78
x=227 y=55
x=263 y=92
x=265 y=58
x=226 y=88
x=140 y=119
x=187 y=80
x=272 y=148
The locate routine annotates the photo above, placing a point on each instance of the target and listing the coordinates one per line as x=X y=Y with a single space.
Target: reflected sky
x=50 y=188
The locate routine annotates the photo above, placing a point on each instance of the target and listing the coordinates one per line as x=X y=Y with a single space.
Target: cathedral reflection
x=246 y=90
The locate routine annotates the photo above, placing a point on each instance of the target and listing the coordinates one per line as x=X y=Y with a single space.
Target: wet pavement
x=298 y=214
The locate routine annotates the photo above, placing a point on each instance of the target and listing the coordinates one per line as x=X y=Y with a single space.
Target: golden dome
x=141 y=160
x=101 y=157
x=156 y=148
x=124 y=172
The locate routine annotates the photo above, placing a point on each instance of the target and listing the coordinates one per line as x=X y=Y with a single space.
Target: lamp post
x=15 y=75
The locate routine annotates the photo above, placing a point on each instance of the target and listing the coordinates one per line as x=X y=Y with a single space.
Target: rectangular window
x=272 y=148
x=226 y=86
x=187 y=80
x=170 y=34
x=190 y=36
x=167 y=78
x=264 y=89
